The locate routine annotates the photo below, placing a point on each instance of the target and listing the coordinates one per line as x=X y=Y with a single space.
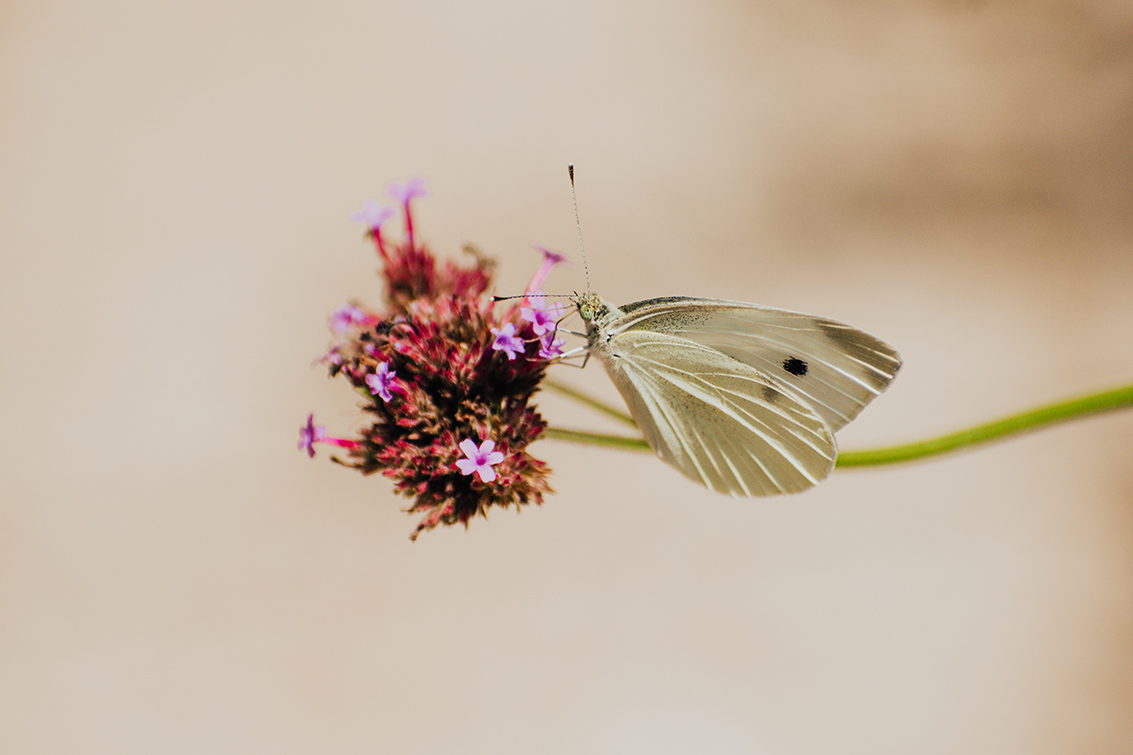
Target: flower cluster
x=446 y=375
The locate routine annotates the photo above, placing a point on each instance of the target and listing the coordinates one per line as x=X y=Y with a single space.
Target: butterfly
x=742 y=398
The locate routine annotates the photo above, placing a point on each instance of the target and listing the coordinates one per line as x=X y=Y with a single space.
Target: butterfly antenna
x=535 y=295
x=581 y=246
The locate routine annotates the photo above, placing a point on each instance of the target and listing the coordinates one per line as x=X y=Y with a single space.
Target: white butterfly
x=742 y=398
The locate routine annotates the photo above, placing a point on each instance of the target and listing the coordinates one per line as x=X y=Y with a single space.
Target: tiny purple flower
x=550 y=259
x=550 y=346
x=411 y=189
x=380 y=381
x=372 y=214
x=508 y=342
x=331 y=356
x=543 y=318
x=310 y=434
x=480 y=460
x=403 y=192
x=348 y=316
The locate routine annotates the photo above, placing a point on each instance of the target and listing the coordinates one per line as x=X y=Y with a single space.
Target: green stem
x=596 y=439
x=1033 y=419
x=592 y=402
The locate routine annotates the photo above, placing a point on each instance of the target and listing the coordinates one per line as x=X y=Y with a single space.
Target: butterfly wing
x=717 y=420
x=836 y=369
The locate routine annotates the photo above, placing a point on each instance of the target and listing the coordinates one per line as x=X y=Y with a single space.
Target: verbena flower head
x=446 y=377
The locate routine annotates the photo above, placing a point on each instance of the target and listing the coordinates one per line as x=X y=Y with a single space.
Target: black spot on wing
x=795 y=366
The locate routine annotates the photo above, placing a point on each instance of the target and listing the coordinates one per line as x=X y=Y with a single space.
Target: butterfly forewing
x=718 y=420
x=836 y=369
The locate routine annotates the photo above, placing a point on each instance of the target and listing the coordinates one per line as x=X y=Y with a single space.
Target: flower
x=349 y=316
x=412 y=273
x=310 y=434
x=479 y=460
x=330 y=356
x=550 y=259
x=551 y=347
x=434 y=342
x=507 y=342
x=372 y=214
x=403 y=193
x=380 y=381
x=543 y=318
x=411 y=189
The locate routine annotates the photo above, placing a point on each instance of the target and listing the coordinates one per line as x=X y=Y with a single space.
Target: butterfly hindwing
x=718 y=420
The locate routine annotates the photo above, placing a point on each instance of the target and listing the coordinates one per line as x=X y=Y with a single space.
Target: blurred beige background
x=176 y=178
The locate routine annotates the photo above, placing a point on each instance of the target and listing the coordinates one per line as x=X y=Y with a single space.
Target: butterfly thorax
x=597 y=313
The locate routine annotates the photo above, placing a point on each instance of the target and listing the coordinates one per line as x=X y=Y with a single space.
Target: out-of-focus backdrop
x=175 y=184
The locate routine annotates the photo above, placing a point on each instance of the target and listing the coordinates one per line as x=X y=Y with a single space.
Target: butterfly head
x=591 y=307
